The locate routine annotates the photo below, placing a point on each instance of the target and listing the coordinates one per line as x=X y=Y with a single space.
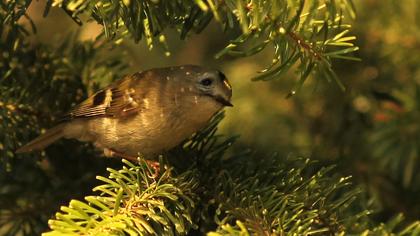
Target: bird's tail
x=43 y=140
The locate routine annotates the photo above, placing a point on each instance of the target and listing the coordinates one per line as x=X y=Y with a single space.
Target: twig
x=301 y=42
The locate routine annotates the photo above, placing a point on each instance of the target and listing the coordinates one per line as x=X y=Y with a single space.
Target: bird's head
x=209 y=84
x=215 y=85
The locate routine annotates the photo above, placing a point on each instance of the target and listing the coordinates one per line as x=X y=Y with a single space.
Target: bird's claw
x=156 y=168
x=153 y=164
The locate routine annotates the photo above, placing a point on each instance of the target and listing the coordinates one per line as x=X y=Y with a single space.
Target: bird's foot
x=153 y=164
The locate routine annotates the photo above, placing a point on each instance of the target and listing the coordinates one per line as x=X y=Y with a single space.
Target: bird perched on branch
x=148 y=112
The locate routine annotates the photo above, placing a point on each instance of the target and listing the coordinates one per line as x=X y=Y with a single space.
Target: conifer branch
x=131 y=202
x=310 y=24
x=207 y=189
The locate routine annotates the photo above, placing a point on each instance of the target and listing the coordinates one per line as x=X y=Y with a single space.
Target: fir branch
x=263 y=195
x=389 y=228
x=305 y=46
x=311 y=26
x=262 y=198
x=396 y=135
x=132 y=202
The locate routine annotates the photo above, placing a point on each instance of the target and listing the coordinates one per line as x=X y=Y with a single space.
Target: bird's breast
x=158 y=126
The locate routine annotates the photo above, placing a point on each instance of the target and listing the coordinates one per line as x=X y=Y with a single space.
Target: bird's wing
x=117 y=100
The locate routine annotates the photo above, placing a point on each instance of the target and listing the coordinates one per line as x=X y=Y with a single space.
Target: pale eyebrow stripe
x=227 y=84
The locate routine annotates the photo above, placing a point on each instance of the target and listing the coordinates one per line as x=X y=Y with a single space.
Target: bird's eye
x=206 y=82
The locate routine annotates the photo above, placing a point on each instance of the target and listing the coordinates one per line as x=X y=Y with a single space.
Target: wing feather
x=117 y=100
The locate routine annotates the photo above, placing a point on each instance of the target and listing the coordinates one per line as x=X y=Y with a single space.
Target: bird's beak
x=223 y=101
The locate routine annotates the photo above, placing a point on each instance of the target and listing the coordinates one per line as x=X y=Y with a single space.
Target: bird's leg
x=153 y=164
x=111 y=153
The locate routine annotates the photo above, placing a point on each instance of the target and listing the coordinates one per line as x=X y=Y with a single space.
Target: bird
x=146 y=113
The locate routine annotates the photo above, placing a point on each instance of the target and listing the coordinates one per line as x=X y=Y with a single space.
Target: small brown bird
x=146 y=113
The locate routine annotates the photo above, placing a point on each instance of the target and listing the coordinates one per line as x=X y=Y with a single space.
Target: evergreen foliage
x=204 y=186
x=311 y=34
x=131 y=202
x=260 y=195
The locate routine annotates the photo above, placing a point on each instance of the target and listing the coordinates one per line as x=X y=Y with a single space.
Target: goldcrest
x=145 y=113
